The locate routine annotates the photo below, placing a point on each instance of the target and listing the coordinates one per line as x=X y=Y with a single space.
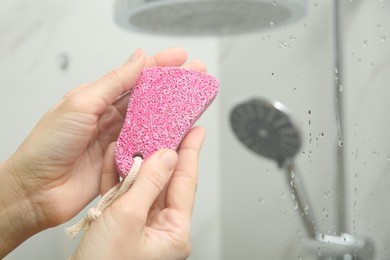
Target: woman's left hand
x=56 y=172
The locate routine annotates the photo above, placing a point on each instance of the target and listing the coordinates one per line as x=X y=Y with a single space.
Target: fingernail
x=135 y=56
x=169 y=158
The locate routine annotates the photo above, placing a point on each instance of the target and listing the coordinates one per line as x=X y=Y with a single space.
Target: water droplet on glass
x=383 y=38
x=365 y=42
x=274 y=3
x=283 y=44
x=272 y=75
x=283 y=195
x=296 y=206
x=292 y=37
x=261 y=200
x=341 y=88
x=294 y=90
x=325 y=212
x=309 y=112
x=271 y=24
x=265 y=37
x=326 y=194
x=340 y=143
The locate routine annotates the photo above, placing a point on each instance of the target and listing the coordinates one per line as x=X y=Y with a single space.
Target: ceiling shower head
x=206 y=17
x=267 y=129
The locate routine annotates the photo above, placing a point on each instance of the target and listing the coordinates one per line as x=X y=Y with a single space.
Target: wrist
x=18 y=219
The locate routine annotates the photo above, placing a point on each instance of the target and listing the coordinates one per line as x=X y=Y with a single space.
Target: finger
x=98 y=95
x=182 y=188
x=109 y=176
x=169 y=58
x=175 y=57
x=154 y=174
x=195 y=65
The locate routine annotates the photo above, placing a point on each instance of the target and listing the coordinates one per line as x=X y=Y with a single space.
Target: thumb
x=104 y=91
x=154 y=174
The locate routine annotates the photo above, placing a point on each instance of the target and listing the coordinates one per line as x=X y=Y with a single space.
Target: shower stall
x=296 y=163
x=325 y=70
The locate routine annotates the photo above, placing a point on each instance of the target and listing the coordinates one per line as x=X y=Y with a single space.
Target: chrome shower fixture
x=267 y=128
x=206 y=17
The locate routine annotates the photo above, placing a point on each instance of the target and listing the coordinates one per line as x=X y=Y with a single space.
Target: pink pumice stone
x=163 y=106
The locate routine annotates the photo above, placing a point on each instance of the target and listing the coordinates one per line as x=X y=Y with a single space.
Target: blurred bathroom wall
x=367 y=67
x=295 y=65
x=292 y=64
x=244 y=208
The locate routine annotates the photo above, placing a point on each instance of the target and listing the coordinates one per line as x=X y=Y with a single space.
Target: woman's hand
x=56 y=172
x=153 y=219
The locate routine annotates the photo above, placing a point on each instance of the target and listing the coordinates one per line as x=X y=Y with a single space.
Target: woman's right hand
x=153 y=219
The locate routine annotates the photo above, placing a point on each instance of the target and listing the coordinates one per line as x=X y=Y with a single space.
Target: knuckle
x=187 y=249
x=195 y=185
x=189 y=179
x=117 y=76
x=113 y=74
x=154 y=177
x=184 y=247
x=76 y=90
x=72 y=98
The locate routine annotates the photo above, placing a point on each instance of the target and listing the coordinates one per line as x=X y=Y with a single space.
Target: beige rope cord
x=106 y=201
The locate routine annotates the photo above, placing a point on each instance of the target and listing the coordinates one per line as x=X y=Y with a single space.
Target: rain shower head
x=267 y=129
x=206 y=17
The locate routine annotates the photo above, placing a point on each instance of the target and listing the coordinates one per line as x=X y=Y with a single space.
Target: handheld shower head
x=266 y=128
